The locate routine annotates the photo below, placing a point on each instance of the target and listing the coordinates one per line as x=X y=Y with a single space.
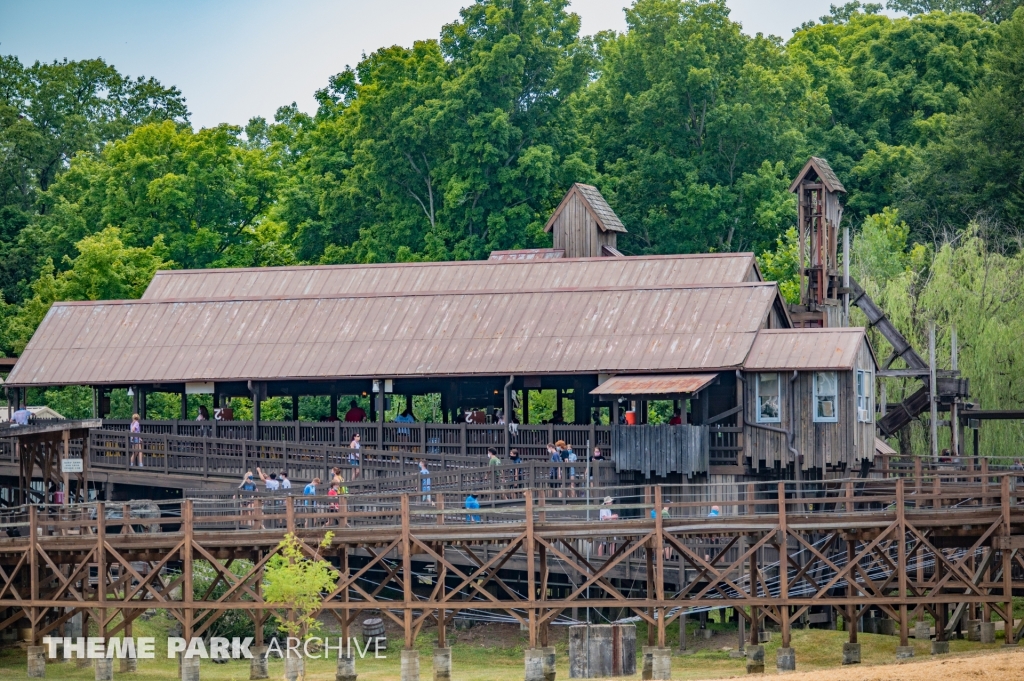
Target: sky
x=234 y=59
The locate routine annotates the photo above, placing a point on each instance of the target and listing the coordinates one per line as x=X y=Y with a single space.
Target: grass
x=496 y=653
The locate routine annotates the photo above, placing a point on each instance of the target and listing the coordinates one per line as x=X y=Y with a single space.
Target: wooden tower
x=819 y=213
x=584 y=225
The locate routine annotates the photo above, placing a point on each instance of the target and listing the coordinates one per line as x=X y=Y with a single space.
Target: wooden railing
x=463 y=439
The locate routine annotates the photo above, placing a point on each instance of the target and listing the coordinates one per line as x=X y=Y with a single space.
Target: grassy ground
x=495 y=653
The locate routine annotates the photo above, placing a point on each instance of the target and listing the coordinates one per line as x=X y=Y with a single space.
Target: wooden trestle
x=949 y=545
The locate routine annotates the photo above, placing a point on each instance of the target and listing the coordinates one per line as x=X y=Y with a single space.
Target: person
x=514 y=457
x=405 y=417
x=570 y=456
x=353 y=455
x=136 y=430
x=556 y=418
x=471 y=505
x=204 y=413
x=598 y=455
x=332 y=498
x=336 y=476
x=425 y=481
x=606 y=511
x=677 y=418
x=554 y=457
x=355 y=413
x=270 y=481
x=562 y=447
x=310 y=491
x=247 y=483
x=20 y=417
x=492 y=457
x=715 y=512
x=283 y=479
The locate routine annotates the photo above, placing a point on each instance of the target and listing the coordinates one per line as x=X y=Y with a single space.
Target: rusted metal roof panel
x=654 y=385
x=495 y=275
x=599 y=330
x=805 y=349
x=528 y=254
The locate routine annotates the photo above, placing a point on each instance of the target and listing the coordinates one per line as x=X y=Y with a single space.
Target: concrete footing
x=647 y=671
x=973 y=630
x=346 y=670
x=129 y=665
x=442 y=664
x=294 y=668
x=940 y=647
x=987 y=632
x=549 y=663
x=534 y=664
x=258 y=663
x=851 y=653
x=922 y=631
x=410 y=665
x=755 y=659
x=36 y=662
x=661 y=663
x=785 y=660
x=904 y=652
x=104 y=667
x=190 y=668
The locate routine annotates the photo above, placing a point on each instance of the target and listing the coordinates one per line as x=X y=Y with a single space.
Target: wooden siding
x=660 y=449
x=823 y=445
x=577 y=233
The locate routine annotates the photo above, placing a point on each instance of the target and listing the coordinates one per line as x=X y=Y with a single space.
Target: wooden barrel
x=373 y=634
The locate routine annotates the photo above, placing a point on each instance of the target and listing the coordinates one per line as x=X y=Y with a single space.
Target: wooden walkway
x=947 y=544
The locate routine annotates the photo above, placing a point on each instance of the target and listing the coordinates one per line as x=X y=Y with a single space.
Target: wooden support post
x=849 y=501
x=1007 y=562
x=187 y=523
x=901 y=561
x=649 y=556
x=33 y=567
x=659 y=575
x=344 y=574
x=531 y=580
x=754 y=634
x=407 y=594
x=852 y=621
x=782 y=543
x=542 y=556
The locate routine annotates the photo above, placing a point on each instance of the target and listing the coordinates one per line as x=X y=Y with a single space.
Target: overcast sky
x=234 y=59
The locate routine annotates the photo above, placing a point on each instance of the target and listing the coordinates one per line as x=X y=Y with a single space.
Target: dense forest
x=464 y=143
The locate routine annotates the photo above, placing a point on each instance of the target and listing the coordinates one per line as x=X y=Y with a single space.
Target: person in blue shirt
x=248 y=484
x=310 y=491
x=715 y=512
x=425 y=481
x=471 y=505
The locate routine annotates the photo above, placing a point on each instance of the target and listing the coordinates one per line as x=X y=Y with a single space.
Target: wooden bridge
x=944 y=543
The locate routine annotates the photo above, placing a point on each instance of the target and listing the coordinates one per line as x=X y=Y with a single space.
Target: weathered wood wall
x=660 y=450
x=576 y=231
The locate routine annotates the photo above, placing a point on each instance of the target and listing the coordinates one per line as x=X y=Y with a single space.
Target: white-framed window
x=826 y=393
x=768 y=398
x=865 y=395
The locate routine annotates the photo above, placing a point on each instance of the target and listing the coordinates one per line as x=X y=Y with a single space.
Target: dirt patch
x=1000 y=666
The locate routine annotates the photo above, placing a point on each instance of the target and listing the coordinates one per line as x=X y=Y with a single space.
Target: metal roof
x=654 y=385
x=824 y=172
x=597 y=330
x=527 y=254
x=465 y=275
x=805 y=349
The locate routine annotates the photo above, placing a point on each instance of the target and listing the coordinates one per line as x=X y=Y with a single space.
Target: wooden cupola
x=819 y=213
x=584 y=225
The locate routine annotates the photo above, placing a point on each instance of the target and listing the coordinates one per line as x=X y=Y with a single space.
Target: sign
x=71 y=466
x=199 y=388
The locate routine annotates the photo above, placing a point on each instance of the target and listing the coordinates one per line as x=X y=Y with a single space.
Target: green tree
x=296 y=581
x=696 y=127
x=975 y=170
x=991 y=10
x=891 y=86
x=104 y=269
x=48 y=114
x=450 y=148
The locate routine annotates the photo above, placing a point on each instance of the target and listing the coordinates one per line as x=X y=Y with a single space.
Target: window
x=768 y=398
x=865 y=396
x=825 y=391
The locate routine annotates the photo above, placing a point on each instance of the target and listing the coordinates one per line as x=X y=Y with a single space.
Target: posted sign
x=71 y=466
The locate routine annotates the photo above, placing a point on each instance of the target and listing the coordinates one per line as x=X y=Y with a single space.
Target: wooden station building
x=610 y=333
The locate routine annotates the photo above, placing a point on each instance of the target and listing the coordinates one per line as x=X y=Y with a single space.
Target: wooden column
x=1007 y=562
x=651 y=578
x=186 y=585
x=531 y=580
x=754 y=635
x=852 y=621
x=33 y=574
x=526 y=406
x=334 y=406
x=782 y=543
x=184 y=406
x=901 y=561
x=659 y=577
x=295 y=408
x=408 y=599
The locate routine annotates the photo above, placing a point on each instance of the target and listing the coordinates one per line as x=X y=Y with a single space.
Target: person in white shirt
x=285 y=482
x=270 y=481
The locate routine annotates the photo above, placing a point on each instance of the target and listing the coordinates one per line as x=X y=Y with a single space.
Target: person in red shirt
x=354 y=413
x=677 y=418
